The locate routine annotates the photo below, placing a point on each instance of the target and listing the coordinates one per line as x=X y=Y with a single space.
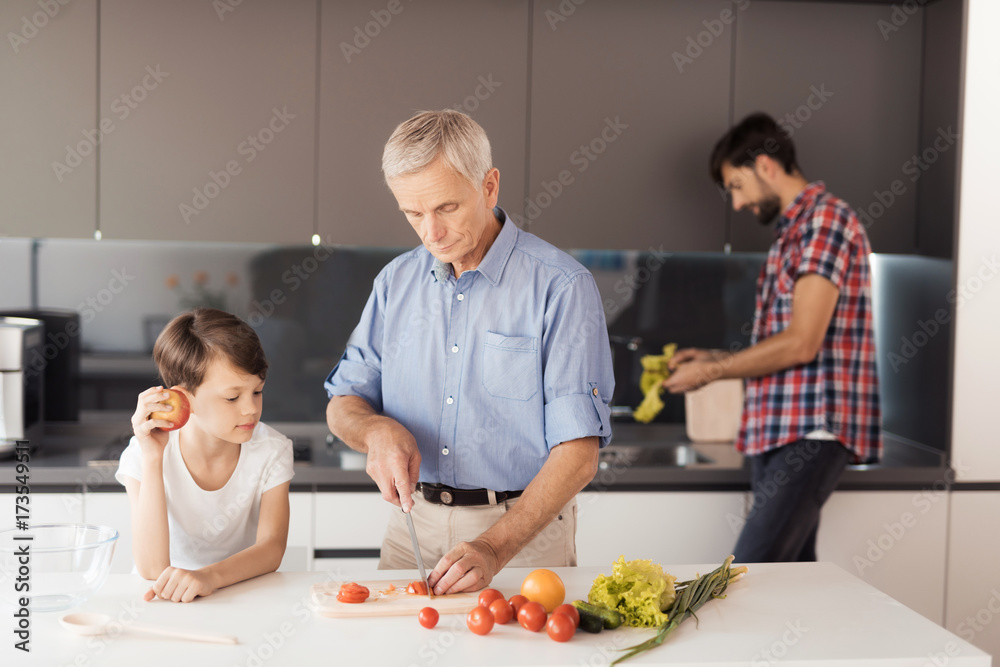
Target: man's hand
x=393 y=462
x=469 y=566
x=179 y=585
x=693 y=368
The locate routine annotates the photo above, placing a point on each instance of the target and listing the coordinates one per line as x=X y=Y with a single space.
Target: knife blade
x=416 y=551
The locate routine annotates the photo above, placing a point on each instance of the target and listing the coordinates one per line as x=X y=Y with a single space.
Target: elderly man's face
x=453 y=219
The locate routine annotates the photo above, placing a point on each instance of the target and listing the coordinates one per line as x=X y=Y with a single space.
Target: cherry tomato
x=560 y=627
x=480 y=620
x=353 y=593
x=488 y=596
x=502 y=611
x=516 y=602
x=417 y=588
x=531 y=616
x=571 y=611
x=428 y=617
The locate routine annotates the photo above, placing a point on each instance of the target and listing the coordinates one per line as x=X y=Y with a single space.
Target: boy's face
x=227 y=404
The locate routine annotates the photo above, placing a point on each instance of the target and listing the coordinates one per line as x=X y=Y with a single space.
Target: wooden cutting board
x=385 y=602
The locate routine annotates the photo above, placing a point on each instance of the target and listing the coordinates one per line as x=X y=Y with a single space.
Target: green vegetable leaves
x=639 y=589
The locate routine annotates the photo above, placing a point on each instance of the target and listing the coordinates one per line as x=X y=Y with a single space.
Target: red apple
x=179 y=412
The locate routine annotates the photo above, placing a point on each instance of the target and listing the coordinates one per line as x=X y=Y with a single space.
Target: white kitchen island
x=793 y=614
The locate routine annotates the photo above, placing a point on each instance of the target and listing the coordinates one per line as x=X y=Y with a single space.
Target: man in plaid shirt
x=812 y=402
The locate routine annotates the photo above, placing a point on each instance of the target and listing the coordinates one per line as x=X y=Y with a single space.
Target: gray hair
x=420 y=140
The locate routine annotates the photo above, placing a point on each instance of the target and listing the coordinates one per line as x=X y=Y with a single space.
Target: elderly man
x=478 y=379
x=812 y=402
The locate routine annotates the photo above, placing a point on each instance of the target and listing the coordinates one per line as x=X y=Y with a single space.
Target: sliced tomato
x=417 y=588
x=353 y=593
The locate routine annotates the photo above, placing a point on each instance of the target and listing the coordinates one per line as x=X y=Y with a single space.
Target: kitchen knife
x=416 y=551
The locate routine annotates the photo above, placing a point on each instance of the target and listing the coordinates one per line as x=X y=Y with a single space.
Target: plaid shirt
x=838 y=390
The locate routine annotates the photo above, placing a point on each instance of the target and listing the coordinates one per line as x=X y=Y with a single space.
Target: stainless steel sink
x=650 y=456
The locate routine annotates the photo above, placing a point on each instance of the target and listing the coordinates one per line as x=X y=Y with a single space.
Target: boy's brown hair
x=192 y=340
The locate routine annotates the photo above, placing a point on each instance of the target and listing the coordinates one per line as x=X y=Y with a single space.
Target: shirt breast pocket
x=510 y=366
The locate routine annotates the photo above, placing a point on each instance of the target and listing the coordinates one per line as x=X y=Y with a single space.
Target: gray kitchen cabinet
x=214 y=106
x=894 y=540
x=669 y=527
x=625 y=107
x=383 y=62
x=48 y=170
x=848 y=92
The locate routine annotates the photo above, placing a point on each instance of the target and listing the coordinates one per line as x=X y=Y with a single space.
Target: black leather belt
x=441 y=494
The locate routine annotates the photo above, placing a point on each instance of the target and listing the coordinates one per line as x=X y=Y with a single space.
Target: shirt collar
x=496 y=257
x=804 y=200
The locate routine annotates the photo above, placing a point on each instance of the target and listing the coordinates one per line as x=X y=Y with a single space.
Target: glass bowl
x=65 y=565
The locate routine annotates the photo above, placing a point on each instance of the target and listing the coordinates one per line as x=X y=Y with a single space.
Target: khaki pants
x=440 y=527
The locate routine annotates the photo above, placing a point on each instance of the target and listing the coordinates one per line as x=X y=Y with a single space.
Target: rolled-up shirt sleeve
x=359 y=371
x=576 y=364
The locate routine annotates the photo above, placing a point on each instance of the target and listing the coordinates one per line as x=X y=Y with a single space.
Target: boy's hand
x=179 y=585
x=149 y=432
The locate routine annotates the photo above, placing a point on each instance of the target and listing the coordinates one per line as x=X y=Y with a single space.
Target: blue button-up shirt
x=488 y=371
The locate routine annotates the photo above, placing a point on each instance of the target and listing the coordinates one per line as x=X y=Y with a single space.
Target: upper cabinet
x=626 y=103
x=848 y=90
x=48 y=168
x=214 y=111
x=381 y=63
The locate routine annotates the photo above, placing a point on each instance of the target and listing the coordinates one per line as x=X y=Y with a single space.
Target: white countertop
x=792 y=614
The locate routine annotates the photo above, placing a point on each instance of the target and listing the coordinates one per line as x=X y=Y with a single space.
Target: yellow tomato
x=544 y=587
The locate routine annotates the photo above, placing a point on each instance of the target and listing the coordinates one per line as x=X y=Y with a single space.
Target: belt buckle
x=446 y=497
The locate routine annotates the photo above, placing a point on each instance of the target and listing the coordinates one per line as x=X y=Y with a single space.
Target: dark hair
x=757 y=134
x=192 y=340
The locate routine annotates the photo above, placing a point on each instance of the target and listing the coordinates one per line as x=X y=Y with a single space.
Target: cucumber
x=590 y=622
x=610 y=618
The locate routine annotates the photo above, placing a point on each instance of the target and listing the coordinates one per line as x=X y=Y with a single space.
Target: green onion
x=691 y=595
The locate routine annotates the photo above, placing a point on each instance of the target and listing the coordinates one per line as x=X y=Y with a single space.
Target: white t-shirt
x=209 y=526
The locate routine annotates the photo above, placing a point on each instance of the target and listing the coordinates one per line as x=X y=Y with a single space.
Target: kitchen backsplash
x=304 y=302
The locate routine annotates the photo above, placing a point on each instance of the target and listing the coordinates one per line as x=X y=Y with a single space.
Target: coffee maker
x=22 y=366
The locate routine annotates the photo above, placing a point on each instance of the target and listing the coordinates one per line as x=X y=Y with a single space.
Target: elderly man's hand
x=469 y=566
x=393 y=462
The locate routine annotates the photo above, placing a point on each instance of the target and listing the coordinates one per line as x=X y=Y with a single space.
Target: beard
x=768 y=209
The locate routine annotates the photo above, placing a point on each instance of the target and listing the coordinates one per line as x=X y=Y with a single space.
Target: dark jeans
x=790 y=485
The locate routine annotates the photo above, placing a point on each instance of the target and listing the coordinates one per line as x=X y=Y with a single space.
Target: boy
x=209 y=501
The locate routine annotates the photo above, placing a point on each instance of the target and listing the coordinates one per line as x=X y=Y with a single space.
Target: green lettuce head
x=639 y=589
